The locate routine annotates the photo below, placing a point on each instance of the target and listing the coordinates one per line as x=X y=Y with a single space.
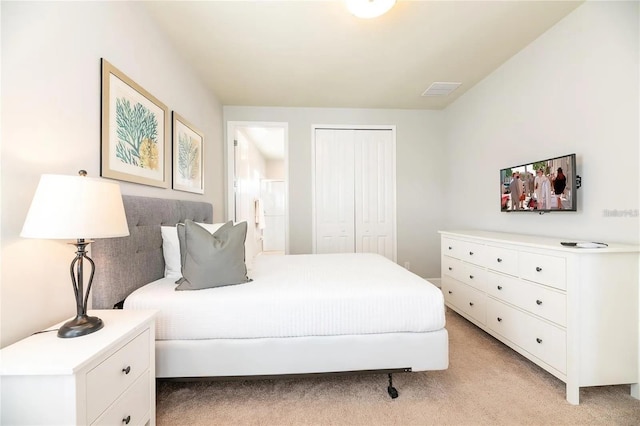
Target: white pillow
x=171 y=248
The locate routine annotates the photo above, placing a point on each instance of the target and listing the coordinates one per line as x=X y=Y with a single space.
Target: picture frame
x=135 y=145
x=188 y=156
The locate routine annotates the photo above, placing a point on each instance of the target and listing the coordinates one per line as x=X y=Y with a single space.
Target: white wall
x=51 y=124
x=420 y=167
x=275 y=169
x=573 y=90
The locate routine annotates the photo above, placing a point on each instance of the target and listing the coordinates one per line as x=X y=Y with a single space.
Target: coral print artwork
x=137 y=131
x=135 y=142
x=188 y=156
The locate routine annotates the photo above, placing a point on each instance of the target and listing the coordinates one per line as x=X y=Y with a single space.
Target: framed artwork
x=135 y=132
x=188 y=156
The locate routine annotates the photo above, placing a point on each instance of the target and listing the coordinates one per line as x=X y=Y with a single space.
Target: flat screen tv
x=541 y=186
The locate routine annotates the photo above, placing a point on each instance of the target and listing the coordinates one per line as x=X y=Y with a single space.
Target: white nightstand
x=107 y=377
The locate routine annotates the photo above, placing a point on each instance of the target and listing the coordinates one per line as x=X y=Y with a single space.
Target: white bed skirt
x=302 y=355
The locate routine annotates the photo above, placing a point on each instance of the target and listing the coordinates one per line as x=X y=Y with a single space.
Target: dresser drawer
x=452 y=267
x=502 y=260
x=451 y=247
x=473 y=252
x=465 y=299
x=115 y=374
x=474 y=276
x=541 y=339
x=132 y=407
x=464 y=250
x=531 y=297
x=544 y=269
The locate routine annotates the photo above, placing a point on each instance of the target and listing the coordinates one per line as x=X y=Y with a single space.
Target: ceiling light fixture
x=369 y=8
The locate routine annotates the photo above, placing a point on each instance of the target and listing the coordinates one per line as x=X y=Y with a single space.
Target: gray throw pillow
x=212 y=260
x=180 y=228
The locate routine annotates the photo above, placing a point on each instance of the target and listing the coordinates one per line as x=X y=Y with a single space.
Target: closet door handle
x=499 y=287
x=538 y=302
x=499 y=260
x=450 y=292
x=450 y=268
x=539 y=340
x=470 y=253
x=126 y=370
x=470 y=303
x=470 y=276
x=538 y=269
x=499 y=319
x=126 y=420
x=449 y=247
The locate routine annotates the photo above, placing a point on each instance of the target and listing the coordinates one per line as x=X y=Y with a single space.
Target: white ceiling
x=268 y=140
x=310 y=53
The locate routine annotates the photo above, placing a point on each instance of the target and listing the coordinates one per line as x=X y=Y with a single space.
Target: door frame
x=231 y=128
x=390 y=127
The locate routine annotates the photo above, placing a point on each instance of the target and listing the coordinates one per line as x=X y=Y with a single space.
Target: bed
x=300 y=314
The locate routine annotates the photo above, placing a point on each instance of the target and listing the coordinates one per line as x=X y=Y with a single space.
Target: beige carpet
x=486 y=384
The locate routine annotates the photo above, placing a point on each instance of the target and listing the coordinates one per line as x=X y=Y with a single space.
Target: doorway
x=257 y=180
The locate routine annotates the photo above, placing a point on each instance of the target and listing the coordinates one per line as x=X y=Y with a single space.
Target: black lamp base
x=79 y=326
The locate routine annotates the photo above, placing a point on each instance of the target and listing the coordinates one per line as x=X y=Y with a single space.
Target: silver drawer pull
x=126 y=420
x=538 y=269
x=499 y=287
x=499 y=319
x=539 y=340
x=499 y=260
x=538 y=302
x=470 y=303
x=127 y=370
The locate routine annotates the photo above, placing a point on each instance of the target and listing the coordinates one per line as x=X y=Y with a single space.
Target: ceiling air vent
x=440 y=89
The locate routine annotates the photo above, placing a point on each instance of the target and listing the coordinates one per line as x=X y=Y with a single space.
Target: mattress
x=298 y=295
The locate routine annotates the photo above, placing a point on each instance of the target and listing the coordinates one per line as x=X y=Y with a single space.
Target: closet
x=354 y=191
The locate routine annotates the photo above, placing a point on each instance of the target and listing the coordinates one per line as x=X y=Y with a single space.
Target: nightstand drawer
x=132 y=407
x=115 y=374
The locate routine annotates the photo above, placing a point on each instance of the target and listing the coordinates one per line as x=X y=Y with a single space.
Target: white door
x=354 y=191
x=374 y=192
x=334 y=183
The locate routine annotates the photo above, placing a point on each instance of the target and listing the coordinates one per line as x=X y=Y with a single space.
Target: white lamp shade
x=369 y=8
x=75 y=207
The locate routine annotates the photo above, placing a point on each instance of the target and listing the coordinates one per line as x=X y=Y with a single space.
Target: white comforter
x=298 y=295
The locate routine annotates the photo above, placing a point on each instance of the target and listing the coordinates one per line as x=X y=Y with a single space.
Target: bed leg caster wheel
x=393 y=392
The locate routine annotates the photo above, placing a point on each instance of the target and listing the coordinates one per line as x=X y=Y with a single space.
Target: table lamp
x=75 y=208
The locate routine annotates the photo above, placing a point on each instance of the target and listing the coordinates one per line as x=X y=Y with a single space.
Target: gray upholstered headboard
x=127 y=263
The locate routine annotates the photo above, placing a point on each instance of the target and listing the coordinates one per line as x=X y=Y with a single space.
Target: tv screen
x=541 y=186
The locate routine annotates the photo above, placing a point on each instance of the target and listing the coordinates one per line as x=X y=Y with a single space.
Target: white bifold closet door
x=354 y=191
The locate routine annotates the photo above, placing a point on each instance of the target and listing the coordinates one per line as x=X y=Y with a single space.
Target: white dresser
x=572 y=311
x=103 y=378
